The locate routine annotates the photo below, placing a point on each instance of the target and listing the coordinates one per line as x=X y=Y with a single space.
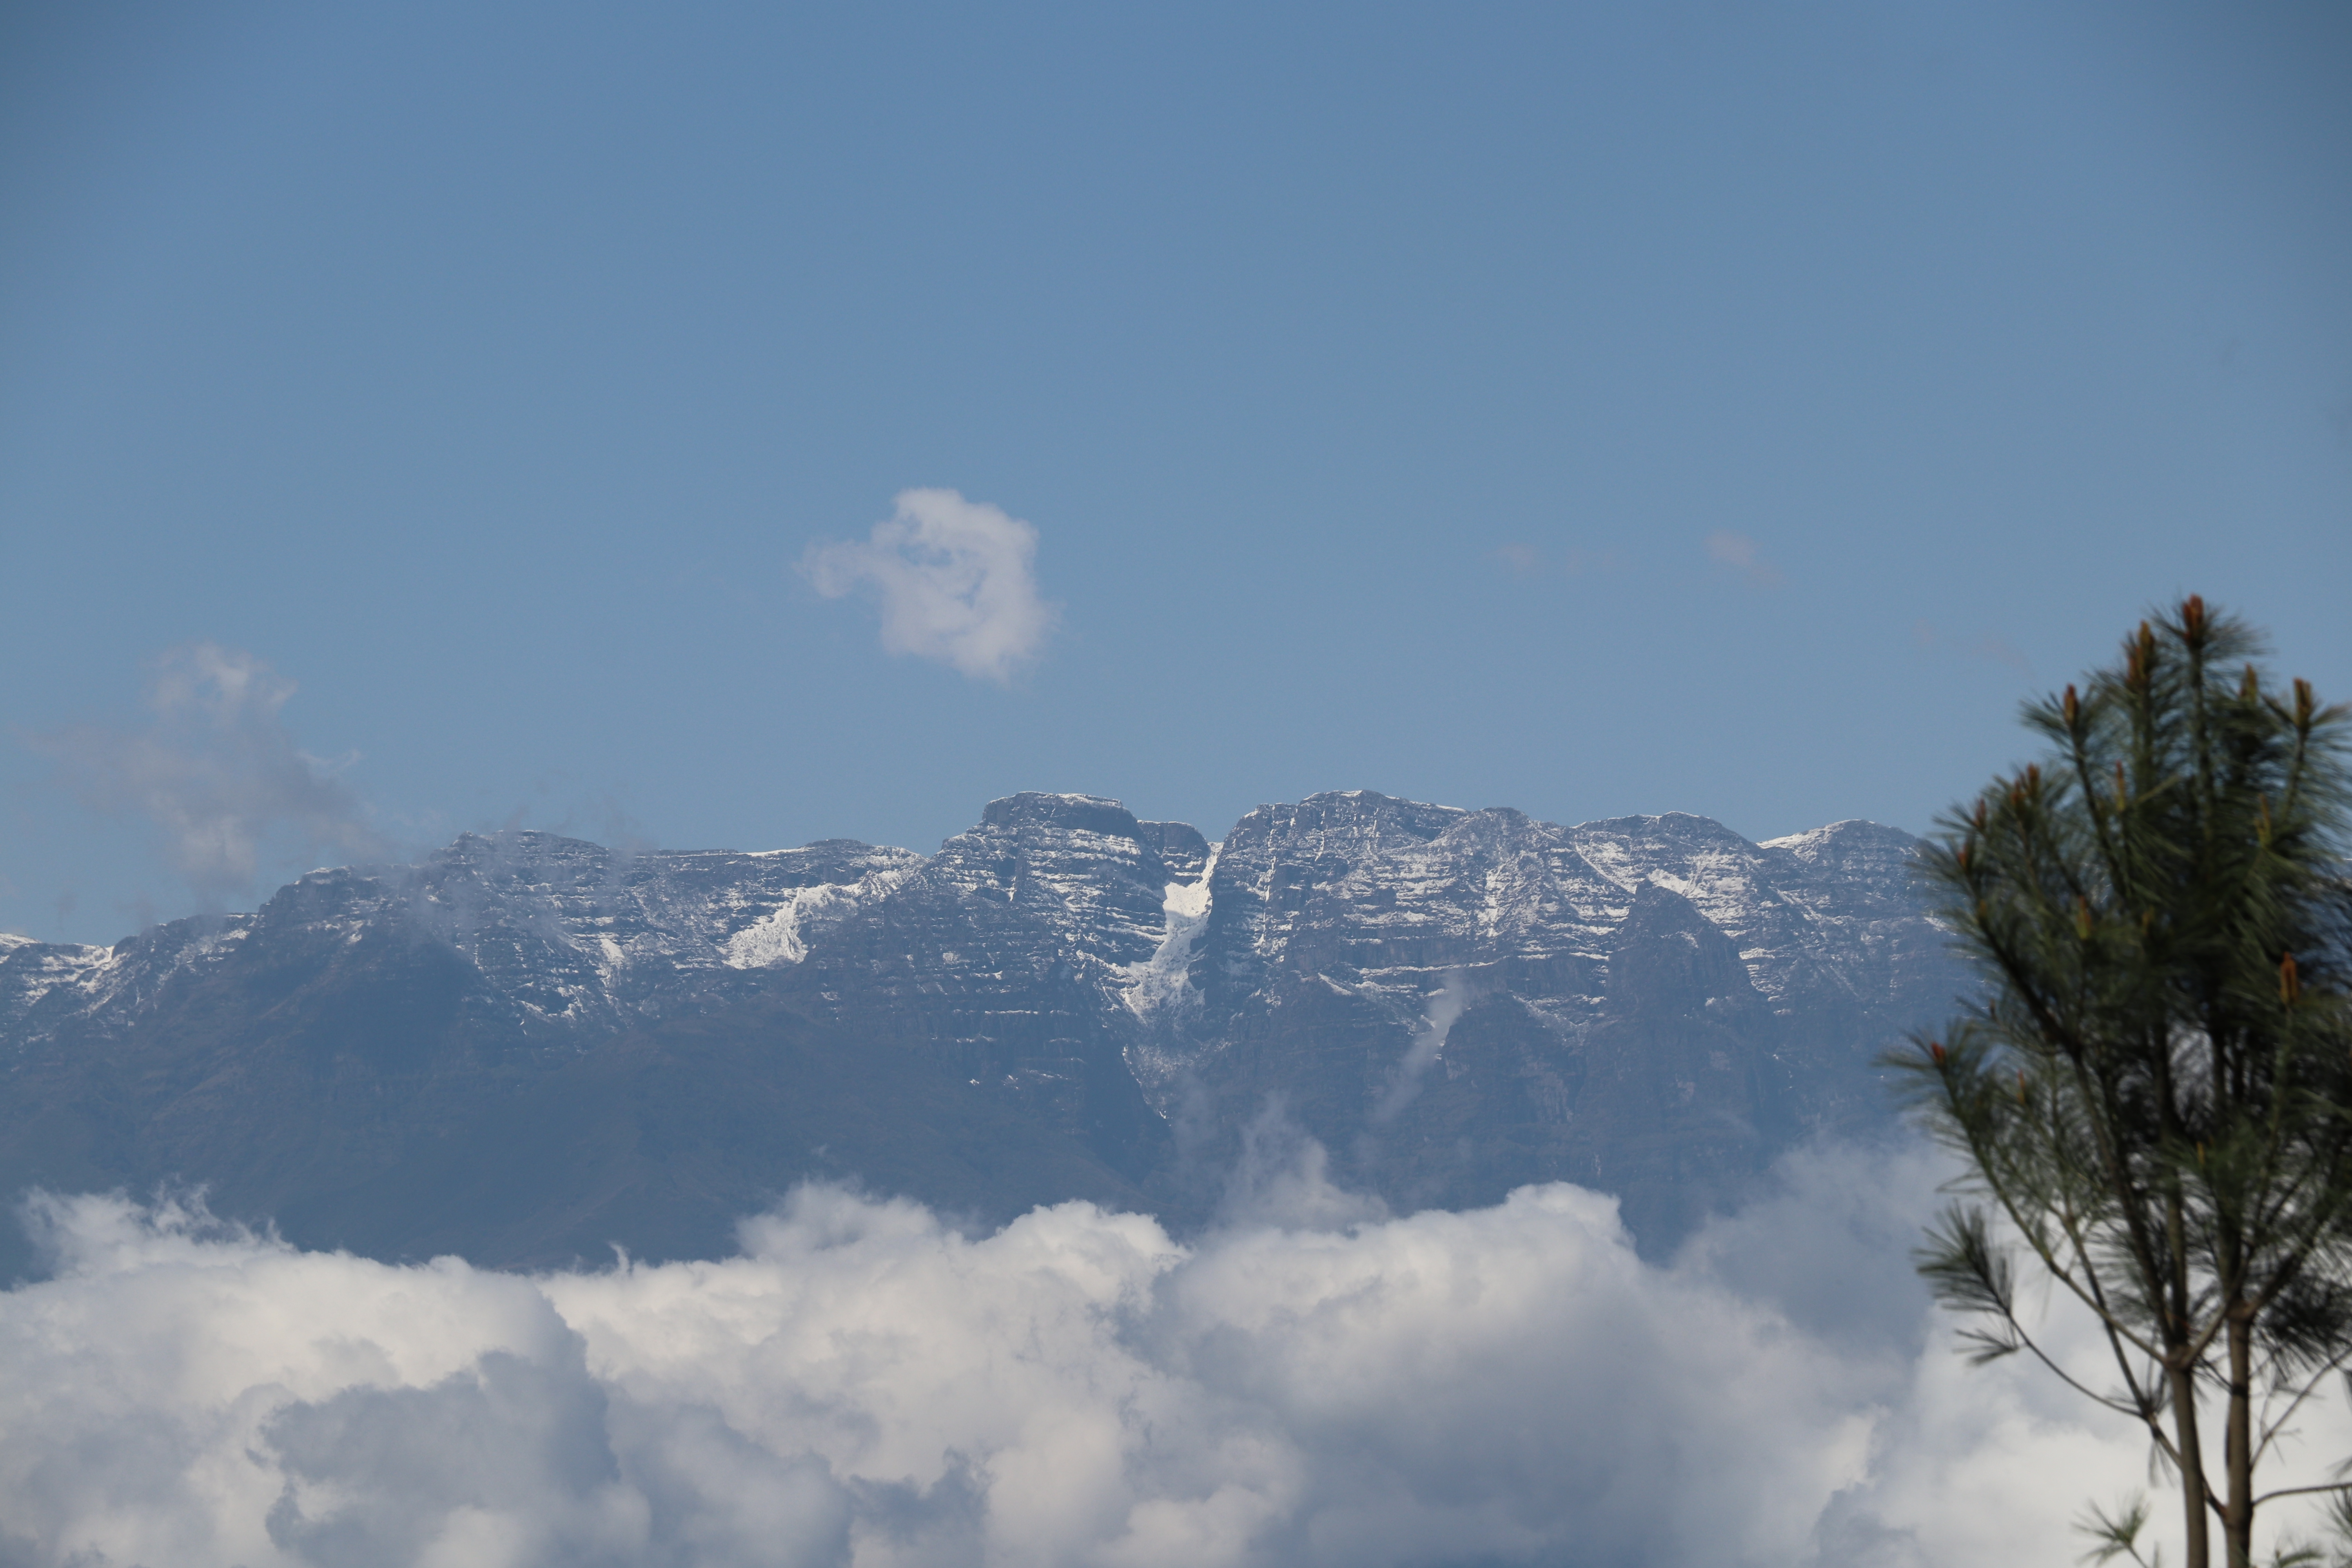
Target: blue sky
x=1720 y=408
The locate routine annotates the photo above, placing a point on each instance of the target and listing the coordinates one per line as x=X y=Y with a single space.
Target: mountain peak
x=1036 y=808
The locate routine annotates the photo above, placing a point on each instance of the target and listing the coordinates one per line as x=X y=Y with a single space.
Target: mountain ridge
x=1063 y=1000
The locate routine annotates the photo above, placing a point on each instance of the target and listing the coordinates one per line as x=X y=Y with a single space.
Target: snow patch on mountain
x=777 y=938
x=50 y=966
x=1161 y=983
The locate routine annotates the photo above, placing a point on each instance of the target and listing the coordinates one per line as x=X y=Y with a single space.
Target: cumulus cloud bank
x=215 y=771
x=864 y=1386
x=954 y=580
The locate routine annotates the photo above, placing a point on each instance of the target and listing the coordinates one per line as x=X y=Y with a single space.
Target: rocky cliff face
x=558 y=938
x=1457 y=1002
x=526 y=1037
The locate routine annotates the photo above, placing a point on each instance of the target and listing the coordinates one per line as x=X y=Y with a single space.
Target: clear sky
x=433 y=418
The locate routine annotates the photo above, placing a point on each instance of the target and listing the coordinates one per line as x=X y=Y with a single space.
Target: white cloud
x=1739 y=552
x=1521 y=559
x=863 y=1384
x=954 y=579
x=2000 y=650
x=215 y=771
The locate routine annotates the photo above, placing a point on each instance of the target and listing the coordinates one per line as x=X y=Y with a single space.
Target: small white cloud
x=1521 y=559
x=215 y=770
x=1739 y=552
x=955 y=580
x=1998 y=650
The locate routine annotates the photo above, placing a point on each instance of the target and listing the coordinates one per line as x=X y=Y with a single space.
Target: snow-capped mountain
x=524 y=1037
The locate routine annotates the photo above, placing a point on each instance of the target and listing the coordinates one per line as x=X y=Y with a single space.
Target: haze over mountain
x=526 y=1048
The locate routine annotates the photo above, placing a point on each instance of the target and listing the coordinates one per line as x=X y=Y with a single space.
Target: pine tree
x=2154 y=1101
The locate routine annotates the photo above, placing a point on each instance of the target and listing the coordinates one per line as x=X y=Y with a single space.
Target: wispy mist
x=215 y=772
x=1438 y=1014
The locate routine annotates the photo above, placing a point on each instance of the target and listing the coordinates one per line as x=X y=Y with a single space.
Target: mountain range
x=528 y=1049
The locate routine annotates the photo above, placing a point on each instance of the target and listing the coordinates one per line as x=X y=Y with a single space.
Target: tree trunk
x=2238 y=1518
x=2194 y=1534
